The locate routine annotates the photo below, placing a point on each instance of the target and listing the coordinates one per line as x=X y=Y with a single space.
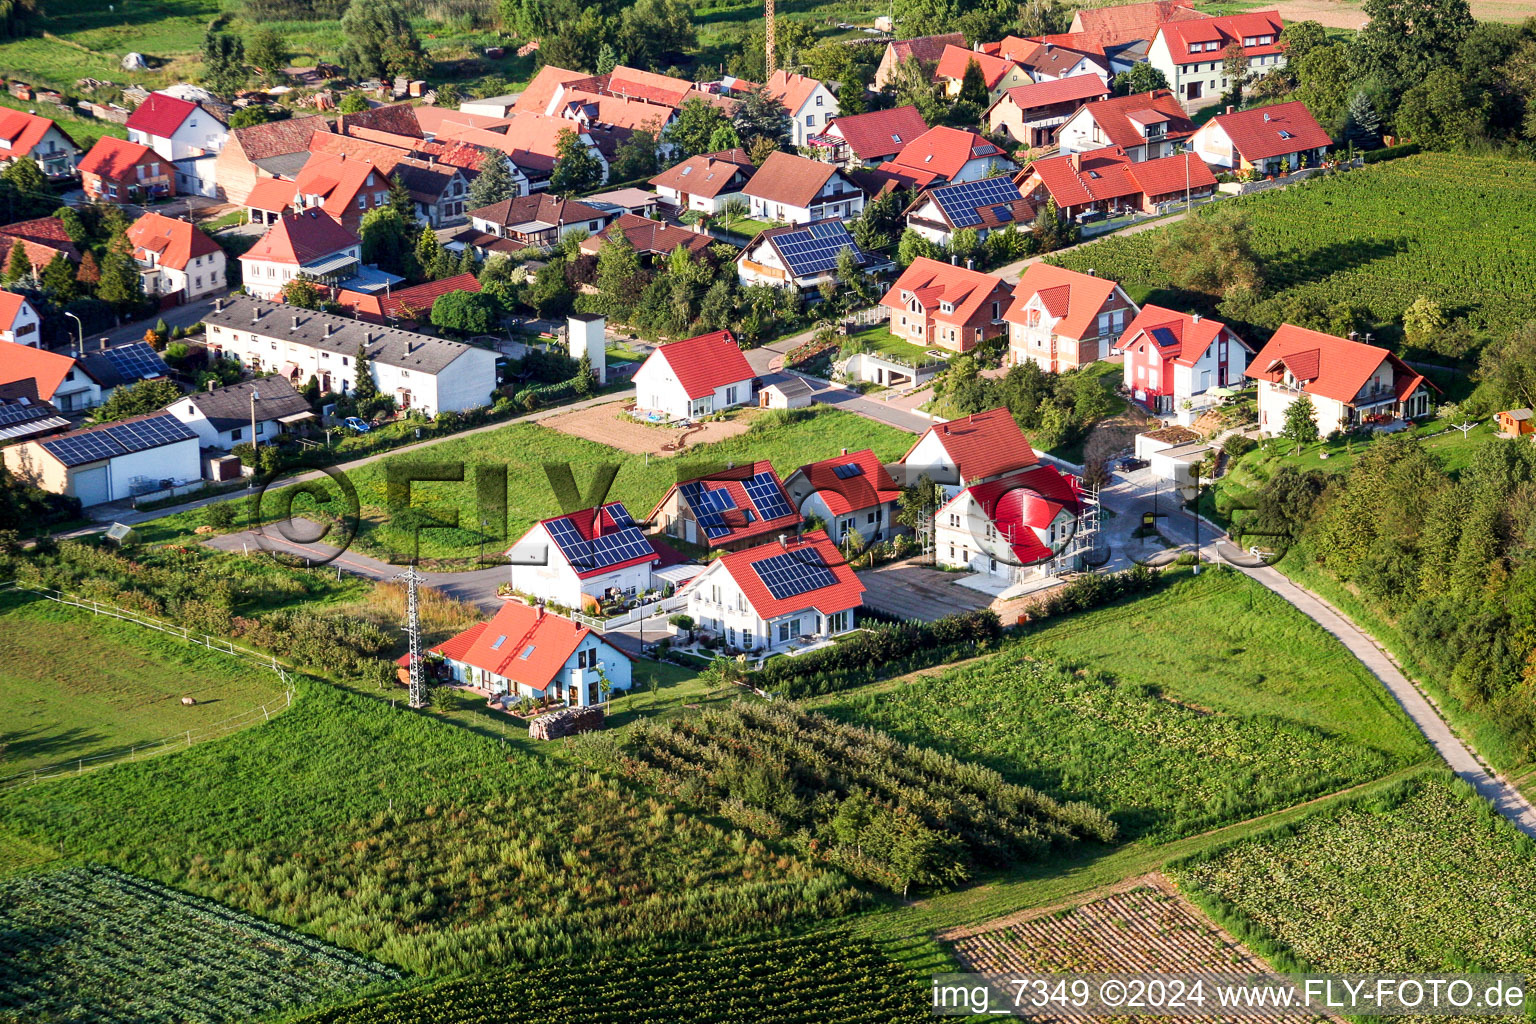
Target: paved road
x=767 y=361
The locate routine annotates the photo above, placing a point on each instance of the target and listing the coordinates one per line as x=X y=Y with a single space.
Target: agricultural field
x=1423 y=878
x=91 y=944
x=74 y=685
x=823 y=977
x=1379 y=237
x=1166 y=748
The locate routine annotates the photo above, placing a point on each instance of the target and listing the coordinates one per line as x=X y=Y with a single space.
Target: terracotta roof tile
x=870 y=486
x=845 y=593
x=527 y=645
x=984 y=444
x=955 y=59
x=538 y=94
x=1060 y=90
x=708 y=174
x=1332 y=367
x=115 y=159
x=301 y=238
x=879 y=133
x=1129 y=23
x=24 y=131
x=789 y=179
x=967 y=292
x=1276 y=130
x=175 y=242
x=160 y=115
x=790 y=89
x=23 y=362
x=1085 y=296
x=1224 y=32
x=927 y=49
x=1113 y=116
x=943 y=152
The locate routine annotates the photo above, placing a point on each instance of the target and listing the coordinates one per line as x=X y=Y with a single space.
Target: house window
x=746 y=639
x=362 y=202
x=818 y=100
x=788 y=630
x=810 y=120
x=234 y=435
x=730 y=636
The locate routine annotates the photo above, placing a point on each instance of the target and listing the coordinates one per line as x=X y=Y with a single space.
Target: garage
x=91 y=485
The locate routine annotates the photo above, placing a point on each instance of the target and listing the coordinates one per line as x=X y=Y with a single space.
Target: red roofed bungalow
x=728 y=510
x=526 y=651
x=1106 y=182
x=971 y=450
x=849 y=492
x=1012 y=528
x=868 y=139
x=1271 y=140
x=1351 y=384
x=1031 y=114
x=1171 y=357
x=1062 y=319
x=118 y=171
x=696 y=377
x=941 y=305
x=777 y=596
x=953 y=154
x=404 y=307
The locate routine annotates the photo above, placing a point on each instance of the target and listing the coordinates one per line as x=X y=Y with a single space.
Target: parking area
x=909 y=591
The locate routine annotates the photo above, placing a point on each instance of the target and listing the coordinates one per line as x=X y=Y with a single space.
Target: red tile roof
x=1178 y=35
x=706 y=362
x=934 y=282
x=590 y=523
x=42 y=238
x=1114 y=117
x=1261 y=133
x=955 y=59
x=1325 y=365
x=272 y=194
x=411 y=304
x=1129 y=23
x=24 y=131
x=869 y=487
x=23 y=363
x=527 y=645
x=1077 y=179
x=879 y=133
x=160 y=115
x=536 y=97
x=944 y=151
x=927 y=49
x=1020 y=503
x=175 y=242
x=789 y=179
x=791 y=89
x=301 y=238
x=847 y=592
x=1060 y=90
x=742 y=526
x=648 y=85
x=1180 y=337
x=1050 y=59
x=115 y=159
x=10 y=307
x=983 y=444
x=1074 y=298
x=277 y=138
x=651 y=236
x=708 y=174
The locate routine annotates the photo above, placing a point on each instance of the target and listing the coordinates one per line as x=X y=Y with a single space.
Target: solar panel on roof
x=618 y=545
x=1003 y=213
x=142 y=435
x=709 y=506
x=1164 y=337
x=847 y=470
x=768 y=497
x=814 y=248
x=960 y=202
x=137 y=362
x=794 y=573
x=75 y=451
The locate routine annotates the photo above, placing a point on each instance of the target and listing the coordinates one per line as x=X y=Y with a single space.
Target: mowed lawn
x=75 y=685
x=524 y=449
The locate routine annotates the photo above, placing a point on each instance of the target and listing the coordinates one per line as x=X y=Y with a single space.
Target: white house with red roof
x=706 y=181
x=695 y=377
x=777 y=596
x=1350 y=383
x=187 y=134
x=811 y=105
x=729 y=509
x=118 y=171
x=1145 y=126
x=998 y=73
x=23 y=134
x=55 y=377
x=940 y=305
x=1011 y=528
x=951 y=154
x=849 y=492
x=937 y=213
x=177 y=261
x=1106 y=181
x=1173 y=357
x=310 y=244
x=18 y=320
x=1272 y=140
x=868 y=139
x=974 y=449
x=1191 y=53
x=526 y=651
x=582 y=557
x=1032 y=114
x=1061 y=319
x=791 y=189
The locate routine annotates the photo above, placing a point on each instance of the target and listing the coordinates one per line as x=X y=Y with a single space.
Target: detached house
x=985 y=206
x=728 y=510
x=1053 y=58
x=851 y=492
x=583 y=558
x=971 y=450
x=1173 y=357
x=939 y=305
x=1061 y=319
x=1144 y=126
x=116 y=171
x=705 y=182
x=865 y=140
x=54 y=377
x=188 y=135
x=926 y=49
x=1015 y=528
x=1191 y=54
x=1031 y=114
x=811 y=105
x=790 y=189
x=654 y=240
x=310 y=245
x=999 y=74
x=222 y=417
x=1109 y=182
x=178 y=262
x=801 y=257
x=526 y=651
x=18 y=320
x=23 y=134
x=1351 y=384
x=953 y=155
x=696 y=377
x=538 y=221
x=1271 y=140
x=777 y=596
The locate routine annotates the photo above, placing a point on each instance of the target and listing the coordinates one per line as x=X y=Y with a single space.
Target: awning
x=291 y=370
x=297 y=417
x=340 y=261
x=677 y=575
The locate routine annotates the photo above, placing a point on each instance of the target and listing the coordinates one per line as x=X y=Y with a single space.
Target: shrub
x=882 y=651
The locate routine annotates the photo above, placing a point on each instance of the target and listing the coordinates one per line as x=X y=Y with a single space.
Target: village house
x=865 y=140
x=695 y=377
x=1144 y=126
x=1172 y=357
x=790 y=189
x=1191 y=54
x=1015 y=529
x=24 y=416
x=971 y=450
x=801 y=257
x=111 y=461
x=310 y=245
x=41 y=239
x=927 y=49
x=55 y=378
x=404 y=307
x=939 y=305
x=262 y=151
x=1268 y=140
x=1351 y=384
x=23 y=134
x=728 y=510
x=1053 y=58
x=259 y=410
x=1061 y=319
x=706 y=182
x=811 y=105
x=427 y=374
x=777 y=596
x=851 y=493
x=985 y=206
x=18 y=320
x=439 y=191
x=582 y=558
x=538 y=221
x=998 y=73
x=952 y=155
x=116 y=171
x=654 y=240
x=187 y=135
x=177 y=261
x=1107 y=182
x=527 y=652
x=1125 y=31
x=1031 y=114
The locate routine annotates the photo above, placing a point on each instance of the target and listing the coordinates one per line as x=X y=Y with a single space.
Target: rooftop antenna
x=771 y=62
x=413 y=581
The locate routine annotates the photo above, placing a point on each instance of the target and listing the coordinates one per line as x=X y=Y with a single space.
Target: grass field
x=84 y=130
x=74 y=685
x=92 y=944
x=1231 y=705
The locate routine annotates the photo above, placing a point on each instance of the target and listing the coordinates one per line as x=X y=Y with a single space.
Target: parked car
x=1129 y=464
x=353 y=423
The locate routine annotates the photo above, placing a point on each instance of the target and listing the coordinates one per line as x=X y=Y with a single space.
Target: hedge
x=880 y=652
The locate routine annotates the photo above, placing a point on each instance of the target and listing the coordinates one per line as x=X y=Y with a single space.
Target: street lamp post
x=80 y=327
x=255 y=397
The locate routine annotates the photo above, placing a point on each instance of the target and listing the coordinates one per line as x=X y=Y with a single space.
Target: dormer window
x=946 y=307
x=1195 y=47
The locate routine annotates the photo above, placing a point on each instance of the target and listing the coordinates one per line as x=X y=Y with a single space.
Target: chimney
x=538 y=612
x=1194 y=318
x=1049 y=47
x=295 y=323
x=954 y=260
x=1352 y=335
x=1076 y=160
x=218 y=305
x=212 y=384
x=328 y=329
x=1090 y=272
x=845 y=451
x=970 y=264
x=255 y=314
x=1230 y=108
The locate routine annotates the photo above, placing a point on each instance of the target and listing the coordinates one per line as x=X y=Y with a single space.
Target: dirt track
x=1347 y=13
x=605 y=425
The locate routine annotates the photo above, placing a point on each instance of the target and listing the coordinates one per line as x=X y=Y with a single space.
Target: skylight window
x=1285 y=134
x=496 y=646
x=895 y=137
x=527 y=653
x=687 y=170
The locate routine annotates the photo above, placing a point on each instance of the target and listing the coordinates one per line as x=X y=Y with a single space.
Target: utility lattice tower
x=771 y=61
x=413 y=581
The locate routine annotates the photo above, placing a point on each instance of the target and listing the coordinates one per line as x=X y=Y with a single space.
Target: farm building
x=695 y=377
x=110 y=461
x=778 y=595
x=583 y=558
x=849 y=492
x=525 y=651
x=728 y=510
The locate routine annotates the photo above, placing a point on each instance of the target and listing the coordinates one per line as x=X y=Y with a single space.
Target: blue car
x=353 y=423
